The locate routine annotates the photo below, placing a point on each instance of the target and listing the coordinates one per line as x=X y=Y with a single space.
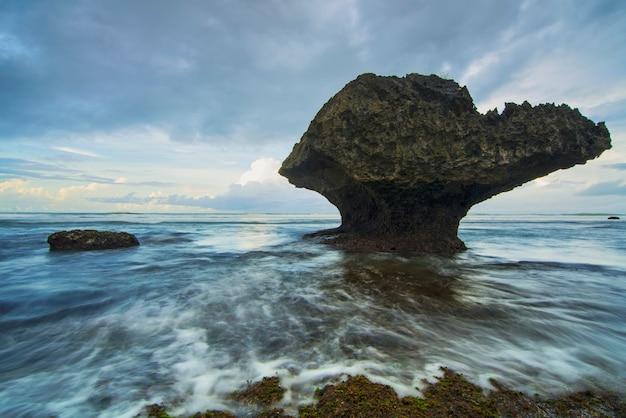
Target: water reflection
x=419 y=285
x=395 y=280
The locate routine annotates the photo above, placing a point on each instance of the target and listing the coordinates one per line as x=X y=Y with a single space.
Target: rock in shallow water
x=90 y=240
x=404 y=159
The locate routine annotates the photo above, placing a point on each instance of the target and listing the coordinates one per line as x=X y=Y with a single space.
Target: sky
x=185 y=106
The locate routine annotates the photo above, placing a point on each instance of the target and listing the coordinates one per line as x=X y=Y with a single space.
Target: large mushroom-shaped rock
x=90 y=240
x=404 y=159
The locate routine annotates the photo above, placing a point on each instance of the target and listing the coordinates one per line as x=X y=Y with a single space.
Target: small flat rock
x=90 y=240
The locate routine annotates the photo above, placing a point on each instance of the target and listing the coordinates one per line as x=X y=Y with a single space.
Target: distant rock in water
x=404 y=159
x=613 y=218
x=90 y=240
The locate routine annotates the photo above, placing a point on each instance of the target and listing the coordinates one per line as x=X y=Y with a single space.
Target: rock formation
x=90 y=240
x=404 y=159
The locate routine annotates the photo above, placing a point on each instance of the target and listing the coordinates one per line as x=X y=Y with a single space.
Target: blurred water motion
x=208 y=302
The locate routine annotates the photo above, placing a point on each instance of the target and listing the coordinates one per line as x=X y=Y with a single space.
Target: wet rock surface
x=451 y=395
x=404 y=159
x=90 y=240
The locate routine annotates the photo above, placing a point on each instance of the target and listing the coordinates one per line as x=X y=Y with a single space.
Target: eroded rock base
x=352 y=241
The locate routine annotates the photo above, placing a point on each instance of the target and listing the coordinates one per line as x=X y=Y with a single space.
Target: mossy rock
x=452 y=395
x=90 y=239
x=265 y=392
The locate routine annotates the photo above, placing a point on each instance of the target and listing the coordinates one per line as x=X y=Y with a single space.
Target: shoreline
x=451 y=395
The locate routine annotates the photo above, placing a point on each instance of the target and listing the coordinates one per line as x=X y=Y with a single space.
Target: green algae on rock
x=452 y=395
x=265 y=392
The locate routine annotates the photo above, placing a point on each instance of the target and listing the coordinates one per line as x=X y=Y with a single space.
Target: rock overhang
x=404 y=159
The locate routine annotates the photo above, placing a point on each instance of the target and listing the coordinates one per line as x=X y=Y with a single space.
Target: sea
x=211 y=302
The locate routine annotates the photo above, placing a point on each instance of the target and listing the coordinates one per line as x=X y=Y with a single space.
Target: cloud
x=197 y=69
x=22 y=188
x=618 y=166
x=66 y=192
x=271 y=197
x=24 y=168
x=545 y=57
x=18 y=194
x=17 y=167
x=609 y=188
x=261 y=170
x=201 y=71
x=168 y=91
x=193 y=67
x=260 y=189
x=78 y=152
x=256 y=197
x=9 y=184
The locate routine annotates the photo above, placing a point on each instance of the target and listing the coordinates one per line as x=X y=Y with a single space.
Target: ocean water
x=208 y=302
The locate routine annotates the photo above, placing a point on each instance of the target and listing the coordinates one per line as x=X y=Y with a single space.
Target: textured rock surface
x=90 y=240
x=404 y=159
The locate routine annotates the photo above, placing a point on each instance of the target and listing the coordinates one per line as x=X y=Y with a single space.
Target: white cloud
x=345 y=14
x=260 y=189
x=557 y=78
x=289 y=53
x=21 y=195
x=11 y=184
x=173 y=65
x=78 y=152
x=607 y=188
x=545 y=57
x=262 y=170
x=254 y=197
x=22 y=188
x=12 y=48
x=541 y=182
x=78 y=191
x=479 y=66
x=271 y=197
